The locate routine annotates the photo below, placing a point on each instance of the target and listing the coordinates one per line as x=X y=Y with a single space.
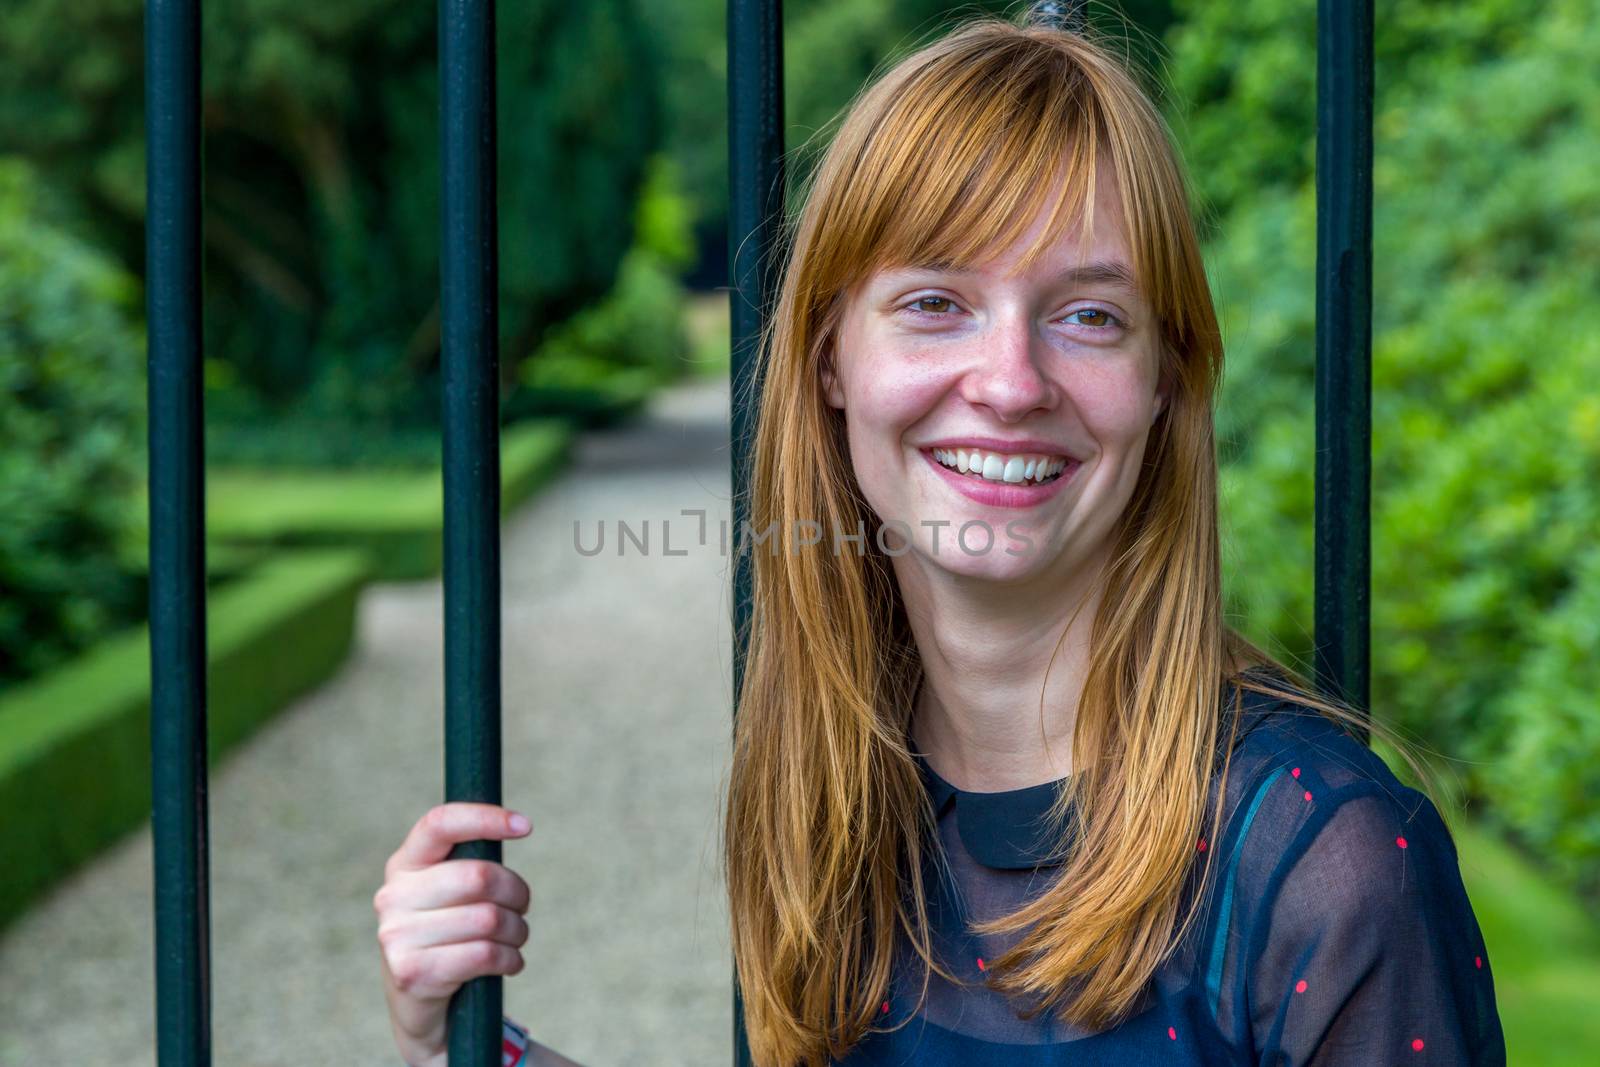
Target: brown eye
x=1102 y=319
x=922 y=302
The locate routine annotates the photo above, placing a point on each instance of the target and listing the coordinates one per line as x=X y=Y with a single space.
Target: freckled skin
x=1003 y=355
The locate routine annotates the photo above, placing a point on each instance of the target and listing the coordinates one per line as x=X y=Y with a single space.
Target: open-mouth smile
x=1009 y=480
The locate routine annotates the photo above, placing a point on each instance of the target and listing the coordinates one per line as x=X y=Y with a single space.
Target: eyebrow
x=1101 y=272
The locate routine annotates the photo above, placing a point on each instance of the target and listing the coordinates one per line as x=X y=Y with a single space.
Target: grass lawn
x=262 y=502
x=395 y=514
x=1545 y=952
x=1544 y=948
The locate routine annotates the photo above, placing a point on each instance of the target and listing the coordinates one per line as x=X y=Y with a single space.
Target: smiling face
x=959 y=387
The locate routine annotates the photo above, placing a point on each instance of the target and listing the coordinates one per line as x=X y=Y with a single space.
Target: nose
x=1006 y=375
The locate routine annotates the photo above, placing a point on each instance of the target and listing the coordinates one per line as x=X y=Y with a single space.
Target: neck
x=1003 y=671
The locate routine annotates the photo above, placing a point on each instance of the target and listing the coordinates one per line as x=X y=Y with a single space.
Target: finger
x=447 y=825
x=481 y=921
x=439 y=971
x=455 y=882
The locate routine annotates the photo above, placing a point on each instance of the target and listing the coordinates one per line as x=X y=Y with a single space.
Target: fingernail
x=519 y=824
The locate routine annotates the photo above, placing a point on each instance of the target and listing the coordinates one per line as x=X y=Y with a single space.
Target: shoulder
x=1307 y=808
x=1304 y=790
x=1351 y=917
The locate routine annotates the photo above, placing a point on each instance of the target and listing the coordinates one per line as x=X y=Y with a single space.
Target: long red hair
x=948 y=154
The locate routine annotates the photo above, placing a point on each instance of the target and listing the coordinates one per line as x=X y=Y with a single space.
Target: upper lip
x=1024 y=446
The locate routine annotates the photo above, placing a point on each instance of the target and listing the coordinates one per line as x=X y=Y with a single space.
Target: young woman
x=1006 y=789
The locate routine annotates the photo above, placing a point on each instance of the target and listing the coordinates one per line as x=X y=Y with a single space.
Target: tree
x=321 y=174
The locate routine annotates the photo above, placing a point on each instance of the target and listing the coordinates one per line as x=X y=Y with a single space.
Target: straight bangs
x=961 y=165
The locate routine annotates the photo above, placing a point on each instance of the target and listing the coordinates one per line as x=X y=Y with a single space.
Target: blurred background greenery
x=322 y=339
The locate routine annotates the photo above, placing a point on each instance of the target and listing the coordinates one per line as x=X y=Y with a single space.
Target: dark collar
x=1005 y=830
x=1008 y=831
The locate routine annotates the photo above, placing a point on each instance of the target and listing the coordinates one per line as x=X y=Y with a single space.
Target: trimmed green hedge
x=393 y=515
x=75 y=743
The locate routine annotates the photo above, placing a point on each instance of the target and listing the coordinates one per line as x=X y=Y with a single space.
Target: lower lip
x=1003 y=494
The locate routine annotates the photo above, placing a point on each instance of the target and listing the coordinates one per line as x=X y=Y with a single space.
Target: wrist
x=415 y=1056
x=514 y=1045
x=420 y=1051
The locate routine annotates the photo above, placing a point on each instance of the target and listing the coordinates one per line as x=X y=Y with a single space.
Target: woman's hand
x=442 y=922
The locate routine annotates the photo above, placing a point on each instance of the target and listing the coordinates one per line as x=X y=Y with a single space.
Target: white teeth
x=1000 y=467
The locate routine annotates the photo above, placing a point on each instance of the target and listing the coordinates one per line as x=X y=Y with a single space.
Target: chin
x=996 y=565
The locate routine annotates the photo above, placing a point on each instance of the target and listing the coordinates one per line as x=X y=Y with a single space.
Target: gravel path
x=616 y=736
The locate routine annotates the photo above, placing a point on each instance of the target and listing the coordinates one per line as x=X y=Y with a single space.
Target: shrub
x=1486 y=432
x=604 y=361
x=71 y=432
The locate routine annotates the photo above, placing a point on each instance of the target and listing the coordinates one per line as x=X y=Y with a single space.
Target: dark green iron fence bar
x=756 y=184
x=469 y=299
x=177 y=535
x=1344 y=350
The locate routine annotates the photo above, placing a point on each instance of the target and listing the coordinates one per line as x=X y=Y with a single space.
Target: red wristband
x=513 y=1043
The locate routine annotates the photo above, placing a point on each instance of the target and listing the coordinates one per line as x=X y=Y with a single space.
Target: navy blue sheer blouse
x=1336 y=930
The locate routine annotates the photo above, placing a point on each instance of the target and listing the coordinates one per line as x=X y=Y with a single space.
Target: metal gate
x=469 y=299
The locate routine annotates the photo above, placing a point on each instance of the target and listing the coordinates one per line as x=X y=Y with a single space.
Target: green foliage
x=604 y=361
x=321 y=212
x=831 y=47
x=640 y=323
x=663 y=219
x=1486 y=465
x=692 y=37
x=307 y=440
x=71 y=432
x=1246 y=75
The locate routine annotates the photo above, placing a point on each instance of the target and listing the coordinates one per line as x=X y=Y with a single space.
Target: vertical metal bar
x=177 y=535
x=469 y=292
x=1344 y=349
x=756 y=199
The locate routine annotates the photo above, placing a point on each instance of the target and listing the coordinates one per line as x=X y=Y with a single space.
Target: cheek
x=1115 y=406
x=891 y=392
x=889 y=396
